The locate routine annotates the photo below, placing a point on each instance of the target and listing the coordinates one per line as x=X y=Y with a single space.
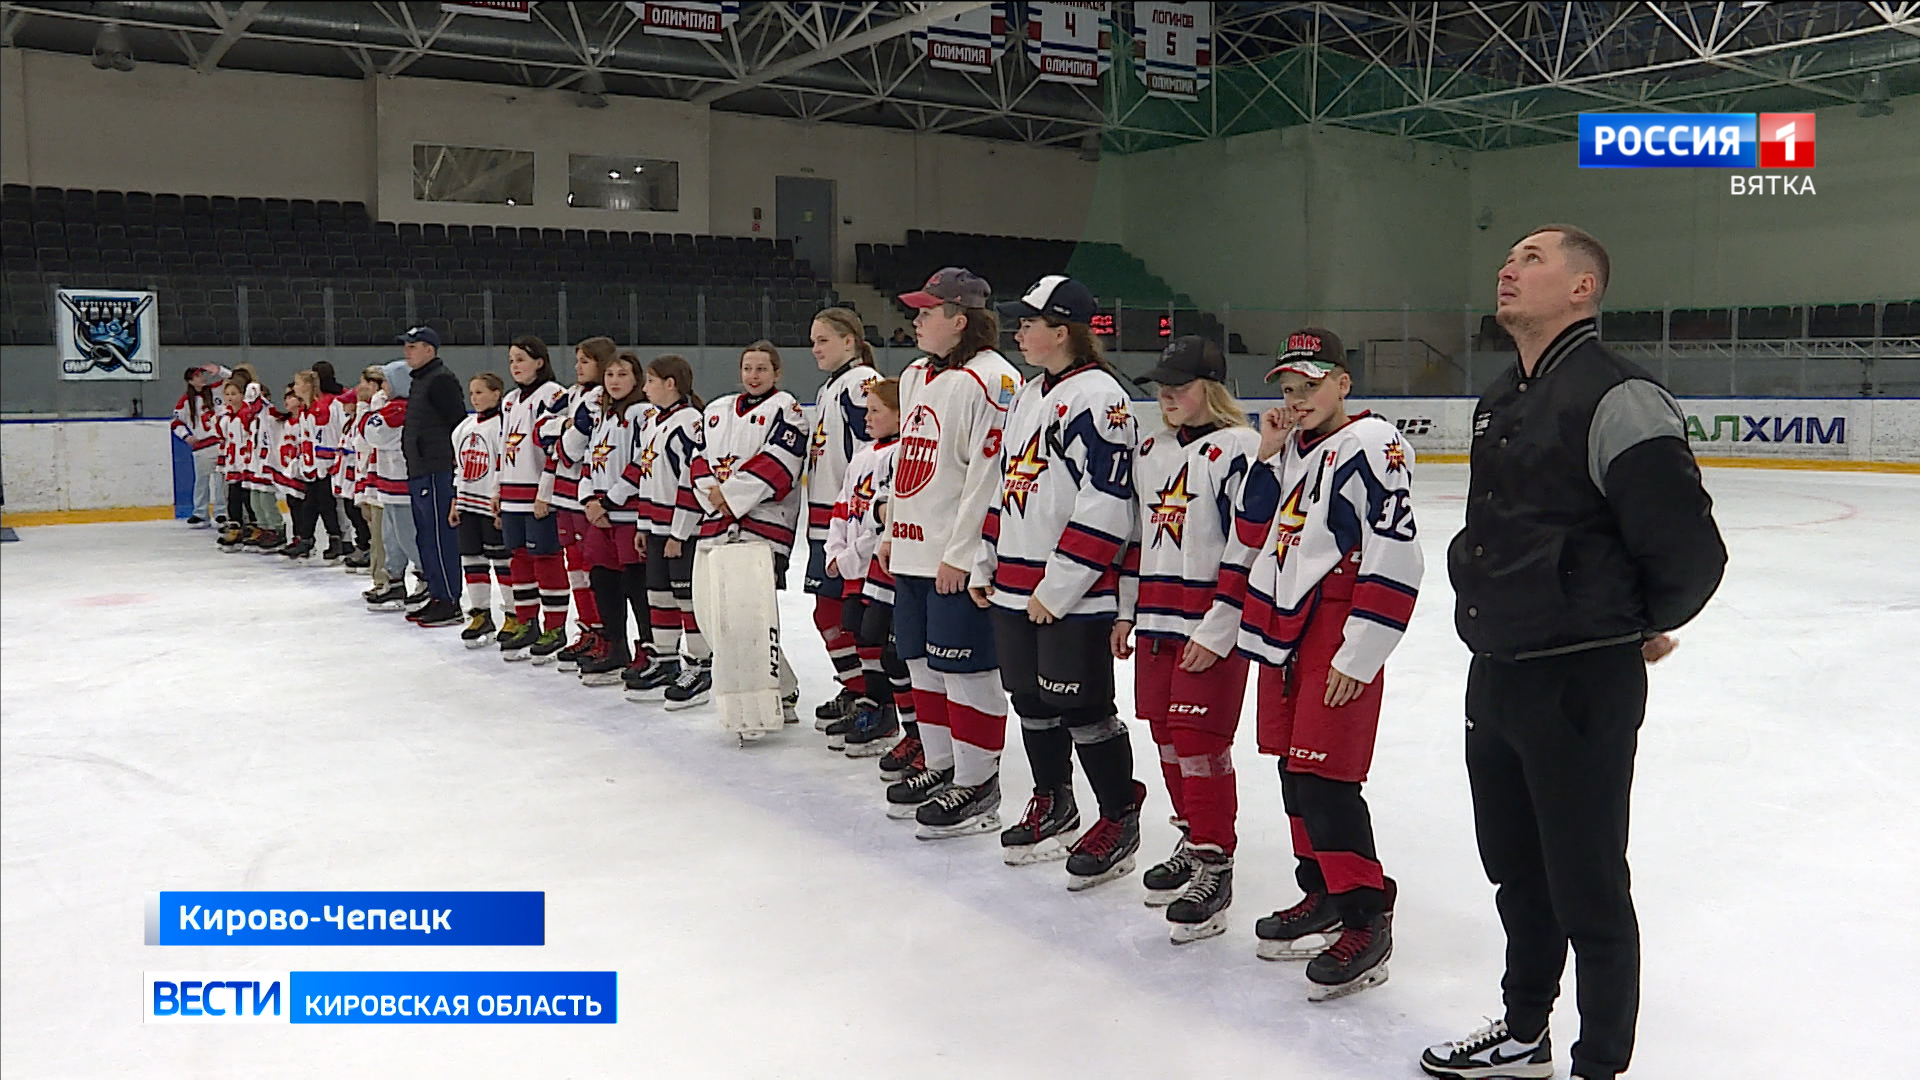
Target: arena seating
x=197 y=250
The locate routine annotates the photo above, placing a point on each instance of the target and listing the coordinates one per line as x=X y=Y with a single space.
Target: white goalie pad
x=733 y=600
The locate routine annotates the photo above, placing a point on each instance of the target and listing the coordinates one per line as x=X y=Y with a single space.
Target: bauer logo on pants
x=919 y=451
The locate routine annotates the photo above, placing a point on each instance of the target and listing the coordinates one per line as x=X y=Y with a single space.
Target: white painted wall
x=86 y=464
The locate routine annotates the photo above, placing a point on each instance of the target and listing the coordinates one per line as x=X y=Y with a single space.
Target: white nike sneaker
x=1488 y=1053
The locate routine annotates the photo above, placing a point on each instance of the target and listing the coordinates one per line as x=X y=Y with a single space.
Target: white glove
x=253 y=393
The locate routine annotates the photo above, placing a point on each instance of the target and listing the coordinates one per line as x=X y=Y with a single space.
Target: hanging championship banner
x=687 y=19
x=972 y=41
x=517 y=10
x=107 y=334
x=1173 y=48
x=1070 y=43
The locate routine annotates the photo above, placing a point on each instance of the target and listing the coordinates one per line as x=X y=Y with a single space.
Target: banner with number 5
x=1173 y=48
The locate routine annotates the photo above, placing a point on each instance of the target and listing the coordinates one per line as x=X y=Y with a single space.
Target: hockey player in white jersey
x=747 y=475
x=670 y=515
x=953 y=403
x=839 y=431
x=1325 y=565
x=476 y=498
x=1050 y=568
x=1188 y=680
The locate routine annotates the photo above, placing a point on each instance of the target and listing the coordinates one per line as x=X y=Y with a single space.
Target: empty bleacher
x=221 y=263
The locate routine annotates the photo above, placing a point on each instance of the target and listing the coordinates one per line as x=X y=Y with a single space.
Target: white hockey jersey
x=609 y=452
x=853 y=532
x=382 y=425
x=524 y=474
x=946 y=471
x=476 y=459
x=661 y=470
x=195 y=422
x=753 y=450
x=839 y=430
x=1336 y=503
x=564 y=435
x=1188 y=481
x=1065 y=510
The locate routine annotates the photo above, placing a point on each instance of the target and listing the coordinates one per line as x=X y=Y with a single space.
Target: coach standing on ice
x=1588 y=537
x=436 y=407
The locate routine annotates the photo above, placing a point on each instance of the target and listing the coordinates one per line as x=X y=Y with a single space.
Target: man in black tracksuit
x=436 y=405
x=1588 y=537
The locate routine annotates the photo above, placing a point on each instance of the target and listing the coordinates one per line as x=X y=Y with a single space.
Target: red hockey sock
x=977 y=709
x=584 y=604
x=1170 y=768
x=551 y=572
x=1212 y=798
x=526 y=594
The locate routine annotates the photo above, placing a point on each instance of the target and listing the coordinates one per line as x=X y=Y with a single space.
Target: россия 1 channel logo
x=1705 y=141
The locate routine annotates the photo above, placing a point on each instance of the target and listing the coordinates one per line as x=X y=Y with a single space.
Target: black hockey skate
x=230 y=538
x=603 y=664
x=1165 y=880
x=693 y=687
x=480 y=629
x=300 y=548
x=358 y=561
x=961 y=811
x=650 y=683
x=834 y=708
x=516 y=638
x=546 y=645
x=437 y=613
x=391 y=598
x=1490 y=1052
x=1043 y=834
x=334 y=553
x=418 y=599
x=1201 y=910
x=271 y=542
x=1355 y=961
x=905 y=759
x=874 y=728
x=838 y=729
x=790 y=708
x=1300 y=932
x=580 y=648
x=904 y=798
x=1106 y=851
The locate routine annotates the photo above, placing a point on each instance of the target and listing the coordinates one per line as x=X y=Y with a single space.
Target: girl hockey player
x=1050 y=568
x=236 y=461
x=312 y=469
x=1324 y=566
x=565 y=437
x=946 y=472
x=529 y=529
x=853 y=541
x=381 y=423
x=661 y=470
x=366 y=491
x=476 y=457
x=608 y=499
x=747 y=476
x=1188 y=681
x=196 y=422
x=839 y=431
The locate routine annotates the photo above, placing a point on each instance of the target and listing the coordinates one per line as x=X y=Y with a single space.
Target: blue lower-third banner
x=383 y=997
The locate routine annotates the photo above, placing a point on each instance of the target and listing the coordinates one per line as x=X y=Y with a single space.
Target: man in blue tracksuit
x=435 y=407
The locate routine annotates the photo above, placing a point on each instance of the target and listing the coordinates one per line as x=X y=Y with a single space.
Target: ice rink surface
x=179 y=719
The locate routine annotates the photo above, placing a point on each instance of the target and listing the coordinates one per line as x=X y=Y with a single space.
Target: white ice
x=179 y=719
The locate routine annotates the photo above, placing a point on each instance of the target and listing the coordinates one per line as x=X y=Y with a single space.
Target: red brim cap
x=921 y=299
x=1312 y=369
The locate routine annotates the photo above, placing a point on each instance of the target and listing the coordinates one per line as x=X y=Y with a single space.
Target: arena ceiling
x=1480 y=75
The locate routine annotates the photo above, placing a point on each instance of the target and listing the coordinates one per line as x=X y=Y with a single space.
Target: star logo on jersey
x=512 y=445
x=818 y=442
x=862 y=499
x=1396 y=456
x=601 y=449
x=1288 y=521
x=644 y=463
x=1023 y=475
x=1117 y=415
x=723 y=469
x=1168 y=516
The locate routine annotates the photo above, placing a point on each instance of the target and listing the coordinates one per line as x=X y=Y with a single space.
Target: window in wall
x=472 y=174
x=599 y=182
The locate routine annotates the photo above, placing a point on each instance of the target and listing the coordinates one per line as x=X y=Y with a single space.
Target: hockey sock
x=1341 y=831
x=665 y=623
x=607 y=590
x=1170 y=766
x=1306 y=870
x=551 y=574
x=1209 y=793
x=502 y=568
x=873 y=682
x=479 y=588
x=1049 y=752
x=693 y=643
x=840 y=645
x=585 y=607
x=1106 y=754
x=930 y=708
x=526 y=592
x=977 y=716
x=902 y=687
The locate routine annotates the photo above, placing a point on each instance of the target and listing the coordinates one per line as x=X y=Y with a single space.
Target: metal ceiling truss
x=1480 y=74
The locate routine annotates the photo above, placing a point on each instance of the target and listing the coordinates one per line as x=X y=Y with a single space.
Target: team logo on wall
x=686 y=19
x=108 y=335
x=1173 y=48
x=971 y=41
x=1070 y=43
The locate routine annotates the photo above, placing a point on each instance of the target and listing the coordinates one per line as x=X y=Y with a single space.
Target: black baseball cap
x=1310 y=351
x=1186 y=359
x=421 y=333
x=952 y=285
x=1056 y=295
